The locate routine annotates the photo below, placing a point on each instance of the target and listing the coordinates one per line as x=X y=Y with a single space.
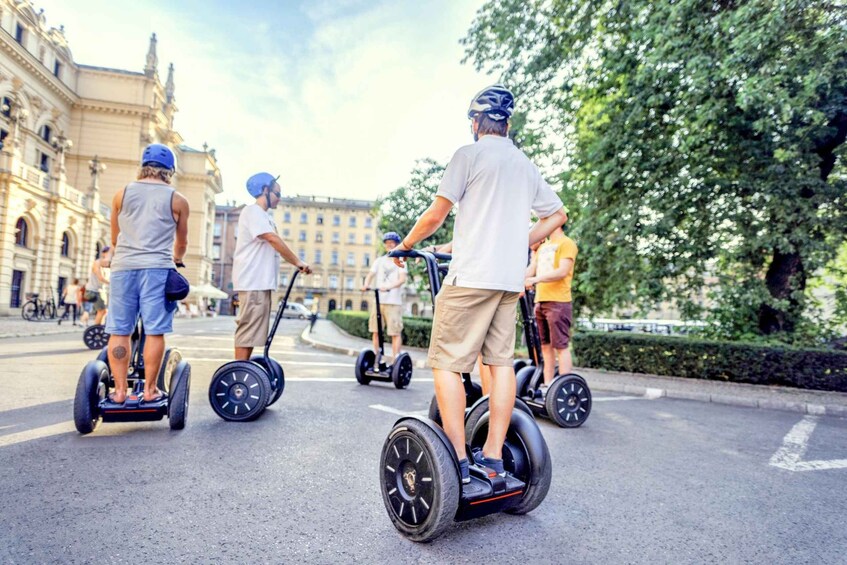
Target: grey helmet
x=496 y=101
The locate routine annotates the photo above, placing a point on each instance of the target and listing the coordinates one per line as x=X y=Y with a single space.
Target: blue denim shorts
x=139 y=291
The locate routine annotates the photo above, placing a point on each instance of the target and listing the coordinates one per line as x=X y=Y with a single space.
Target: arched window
x=348 y=305
x=415 y=309
x=46 y=133
x=21 y=232
x=332 y=304
x=364 y=306
x=66 y=245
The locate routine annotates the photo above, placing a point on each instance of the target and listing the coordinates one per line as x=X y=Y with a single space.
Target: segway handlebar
x=279 y=313
x=432 y=267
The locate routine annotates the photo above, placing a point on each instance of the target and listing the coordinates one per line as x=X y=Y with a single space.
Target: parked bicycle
x=35 y=309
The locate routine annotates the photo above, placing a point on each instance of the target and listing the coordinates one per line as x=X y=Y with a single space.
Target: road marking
x=183 y=349
x=794 y=445
x=36 y=433
x=299 y=363
x=397 y=412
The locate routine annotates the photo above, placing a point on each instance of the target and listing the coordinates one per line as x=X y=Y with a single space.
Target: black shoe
x=495 y=464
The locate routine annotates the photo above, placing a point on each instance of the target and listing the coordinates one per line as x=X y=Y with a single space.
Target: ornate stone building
x=72 y=135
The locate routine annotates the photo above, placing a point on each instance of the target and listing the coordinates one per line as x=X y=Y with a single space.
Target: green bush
x=415 y=330
x=817 y=369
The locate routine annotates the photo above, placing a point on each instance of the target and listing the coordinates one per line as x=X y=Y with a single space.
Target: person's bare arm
x=181 y=213
x=564 y=269
x=401 y=280
x=368 y=280
x=279 y=245
x=97 y=269
x=545 y=226
x=426 y=225
x=533 y=265
x=117 y=203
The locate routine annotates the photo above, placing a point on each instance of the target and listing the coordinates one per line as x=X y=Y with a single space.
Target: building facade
x=72 y=136
x=223 y=248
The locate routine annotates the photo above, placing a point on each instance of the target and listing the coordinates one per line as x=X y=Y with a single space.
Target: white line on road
x=36 y=433
x=397 y=412
x=285 y=364
x=794 y=446
x=183 y=349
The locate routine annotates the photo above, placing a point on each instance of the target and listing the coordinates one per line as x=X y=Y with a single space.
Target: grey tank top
x=146 y=219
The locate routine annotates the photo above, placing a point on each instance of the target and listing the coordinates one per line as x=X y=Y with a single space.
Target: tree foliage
x=702 y=143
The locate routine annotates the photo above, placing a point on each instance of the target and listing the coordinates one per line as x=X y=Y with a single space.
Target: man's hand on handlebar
x=304 y=268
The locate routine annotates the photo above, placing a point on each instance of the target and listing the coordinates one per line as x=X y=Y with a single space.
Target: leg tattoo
x=119 y=352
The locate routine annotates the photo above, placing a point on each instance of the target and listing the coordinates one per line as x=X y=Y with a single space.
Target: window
x=364 y=306
x=44 y=162
x=317 y=281
x=302 y=254
x=366 y=260
x=335 y=237
x=352 y=221
x=320 y=219
x=336 y=220
x=286 y=232
x=218 y=229
x=319 y=237
x=46 y=133
x=19 y=33
x=302 y=235
x=351 y=259
x=17 y=288
x=66 y=245
x=21 y=232
x=6 y=107
x=216 y=252
x=333 y=281
x=367 y=239
x=331 y=306
x=348 y=305
x=304 y=218
x=334 y=257
x=351 y=238
x=57 y=69
x=286 y=217
x=348 y=283
x=318 y=257
x=284 y=279
x=60 y=289
x=369 y=222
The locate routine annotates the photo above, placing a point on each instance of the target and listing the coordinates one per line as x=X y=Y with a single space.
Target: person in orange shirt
x=551 y=272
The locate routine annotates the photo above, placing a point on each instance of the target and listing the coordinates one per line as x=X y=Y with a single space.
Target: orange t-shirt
x=550 y=255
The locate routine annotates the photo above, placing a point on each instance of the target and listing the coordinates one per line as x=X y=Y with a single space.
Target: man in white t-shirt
x=495 y=187
x=390 y=279
x=255 y=264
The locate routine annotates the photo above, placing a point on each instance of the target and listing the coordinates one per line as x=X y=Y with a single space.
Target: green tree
x=700 y=138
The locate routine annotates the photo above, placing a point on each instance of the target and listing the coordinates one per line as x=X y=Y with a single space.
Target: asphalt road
x=643 y=481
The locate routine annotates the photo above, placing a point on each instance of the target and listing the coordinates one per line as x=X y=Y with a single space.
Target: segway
x=95 y=337
x=92 y=404
x=241 y=390
x=568 y=398
x=371 y=367
x=420 y=480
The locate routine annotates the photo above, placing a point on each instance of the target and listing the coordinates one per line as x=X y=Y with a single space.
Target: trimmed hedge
x=817 y=369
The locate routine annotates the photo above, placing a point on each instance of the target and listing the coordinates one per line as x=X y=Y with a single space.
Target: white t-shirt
x=255 y=264
x=494 y=186
x=387 y=272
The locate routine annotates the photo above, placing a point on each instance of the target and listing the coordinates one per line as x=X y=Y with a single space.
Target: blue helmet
x=391 y=236
x=158 y=155
x=496 y=101
x=257 y=184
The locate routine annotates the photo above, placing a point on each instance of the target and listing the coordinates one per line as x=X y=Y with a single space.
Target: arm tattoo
x=119 y=352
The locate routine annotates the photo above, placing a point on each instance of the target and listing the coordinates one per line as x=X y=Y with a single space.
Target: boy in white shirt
x=389 y=280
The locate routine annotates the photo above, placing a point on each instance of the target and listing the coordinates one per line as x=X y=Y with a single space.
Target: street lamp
x=61 y=144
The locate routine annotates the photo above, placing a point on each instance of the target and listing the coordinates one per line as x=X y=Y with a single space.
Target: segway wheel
x=481 y=407
x=239 y=391
x=179 y=385
x=170 y=360
x=577 y=377
x=275 y=376
x=420 y=482
x=364 y=362
x=568 y=401
x=525 y=456
x=519 y=364
x=434 y=412
x=401 y=371
x=95 y=337
x=92 y=387
x=523 y=378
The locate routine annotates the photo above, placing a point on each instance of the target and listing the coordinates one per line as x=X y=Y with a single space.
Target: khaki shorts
x=469 y=321
x=253 y=318
x=392 y=317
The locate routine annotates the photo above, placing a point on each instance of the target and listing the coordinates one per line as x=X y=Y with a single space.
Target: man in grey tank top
x=149 y=237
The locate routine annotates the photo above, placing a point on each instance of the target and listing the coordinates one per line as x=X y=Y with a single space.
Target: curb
x=810 y=408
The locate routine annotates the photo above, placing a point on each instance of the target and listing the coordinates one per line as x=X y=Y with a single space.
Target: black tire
x=522 y=379
x=29 y=311
x=579 y=377
x=92 y=387
x=95 y=337
x=568 y=401
x=170 y=360
x=364 y=362
x=480 y=408
x=49 y=311
x=275 y=376
x=401 y=371
x=418 y=480
x=179 y=385
x=234 y=386
x=525 y=455
x=434 y=412
x=519 y=364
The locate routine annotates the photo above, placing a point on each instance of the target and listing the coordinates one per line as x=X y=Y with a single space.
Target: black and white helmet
x=496 y=100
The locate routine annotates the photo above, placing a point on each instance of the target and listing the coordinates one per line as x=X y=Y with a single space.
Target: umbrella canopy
x=207 y=291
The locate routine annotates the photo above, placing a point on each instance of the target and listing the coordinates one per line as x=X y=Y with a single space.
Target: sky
x=338 y=97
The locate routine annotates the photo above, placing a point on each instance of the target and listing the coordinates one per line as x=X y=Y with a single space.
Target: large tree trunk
x=785 y=275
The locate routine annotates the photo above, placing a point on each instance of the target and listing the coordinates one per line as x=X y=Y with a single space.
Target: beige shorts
x=469 y=321
x=253 y=318
x=392 y=317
